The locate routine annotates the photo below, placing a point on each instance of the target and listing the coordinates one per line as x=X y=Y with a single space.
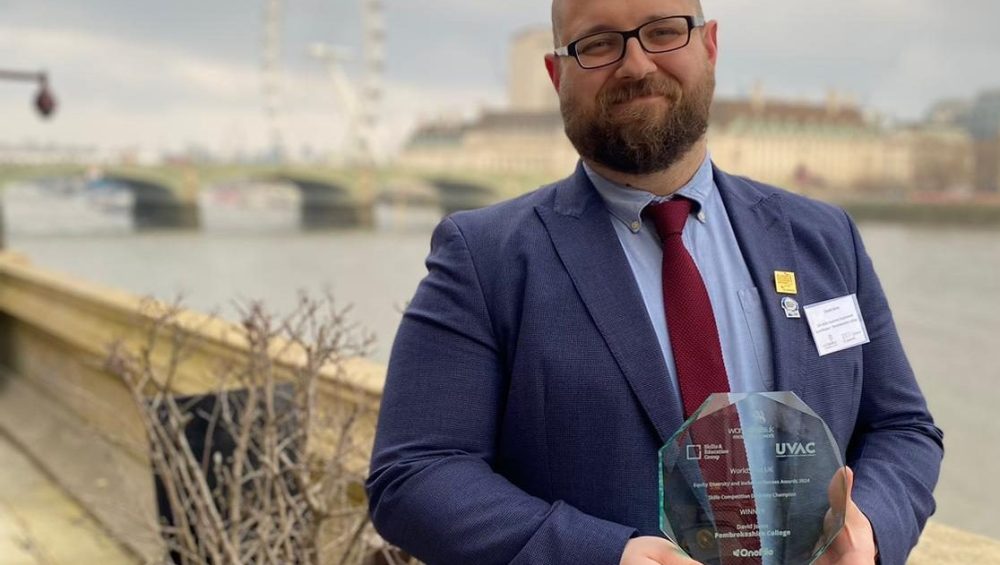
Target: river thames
x=943 y=284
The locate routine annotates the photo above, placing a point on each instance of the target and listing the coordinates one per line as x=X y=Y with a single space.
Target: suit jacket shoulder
x=809 y=213
x=495 y=224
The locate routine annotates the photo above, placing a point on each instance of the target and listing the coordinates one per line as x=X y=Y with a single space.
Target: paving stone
x=41 y=525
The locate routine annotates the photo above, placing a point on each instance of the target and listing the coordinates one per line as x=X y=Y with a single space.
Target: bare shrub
x=258 y=465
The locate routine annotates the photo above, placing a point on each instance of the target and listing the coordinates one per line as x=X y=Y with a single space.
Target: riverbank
x=957 y=213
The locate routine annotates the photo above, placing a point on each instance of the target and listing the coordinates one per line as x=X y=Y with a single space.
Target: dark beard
x=637 y=140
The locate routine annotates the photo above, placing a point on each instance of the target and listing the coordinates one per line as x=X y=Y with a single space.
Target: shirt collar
x=626 y=203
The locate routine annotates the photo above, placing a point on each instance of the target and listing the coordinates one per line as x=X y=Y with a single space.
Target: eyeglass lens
x=656 y=37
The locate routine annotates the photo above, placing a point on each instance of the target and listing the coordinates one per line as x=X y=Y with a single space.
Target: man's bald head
x=560 y=6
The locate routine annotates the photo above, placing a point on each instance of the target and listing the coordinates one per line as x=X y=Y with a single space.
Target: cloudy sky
x=166 y=75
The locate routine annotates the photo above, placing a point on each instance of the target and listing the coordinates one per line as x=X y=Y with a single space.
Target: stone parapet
x=79 y=423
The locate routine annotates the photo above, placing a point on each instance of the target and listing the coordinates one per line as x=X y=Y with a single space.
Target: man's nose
x=637 y=63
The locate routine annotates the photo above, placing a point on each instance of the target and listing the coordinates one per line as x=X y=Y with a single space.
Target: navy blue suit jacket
x=527 y=395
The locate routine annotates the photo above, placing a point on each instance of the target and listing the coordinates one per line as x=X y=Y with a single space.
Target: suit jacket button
x=706 y=540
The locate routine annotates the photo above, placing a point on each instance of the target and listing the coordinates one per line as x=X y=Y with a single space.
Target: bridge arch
x=458 y=194
x=157 y=205
x=326 y=203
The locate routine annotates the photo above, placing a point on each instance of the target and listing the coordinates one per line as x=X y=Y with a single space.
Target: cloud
x=896 y=55
x=170 y=73
x=166 y=98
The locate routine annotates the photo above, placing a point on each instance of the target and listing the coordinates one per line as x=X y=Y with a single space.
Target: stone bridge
x=166 y=197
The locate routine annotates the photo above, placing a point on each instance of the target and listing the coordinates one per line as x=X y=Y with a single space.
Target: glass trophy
x=749 y=479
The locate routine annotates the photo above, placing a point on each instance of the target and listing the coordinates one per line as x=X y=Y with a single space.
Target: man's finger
x=839 y=491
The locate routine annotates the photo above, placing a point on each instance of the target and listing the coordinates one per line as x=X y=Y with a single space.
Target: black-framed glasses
x=608 y=47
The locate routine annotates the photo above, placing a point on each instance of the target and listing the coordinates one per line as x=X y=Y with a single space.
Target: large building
x=505 y=142
x=810 y=147
x=979 y=119
x=813 y=148
x=526 y=138
x=528 y=85
x=983 y=122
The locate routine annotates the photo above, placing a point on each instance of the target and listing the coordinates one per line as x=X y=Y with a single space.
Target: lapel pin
x=784 y=282
x=791 y=307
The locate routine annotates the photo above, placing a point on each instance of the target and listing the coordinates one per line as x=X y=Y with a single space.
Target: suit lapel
x=580 y=228
x=766 y=241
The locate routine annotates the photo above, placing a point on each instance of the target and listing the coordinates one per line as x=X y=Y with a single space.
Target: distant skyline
x=164 y=76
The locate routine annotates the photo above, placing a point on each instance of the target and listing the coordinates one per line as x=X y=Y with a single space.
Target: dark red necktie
x=694 y=337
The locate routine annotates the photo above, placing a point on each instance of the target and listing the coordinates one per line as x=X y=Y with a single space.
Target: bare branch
x=273 y=475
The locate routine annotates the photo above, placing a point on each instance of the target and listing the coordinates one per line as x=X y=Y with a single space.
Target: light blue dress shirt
x=709 y=238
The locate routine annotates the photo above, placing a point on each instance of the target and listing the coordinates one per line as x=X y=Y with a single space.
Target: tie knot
x=670 y=216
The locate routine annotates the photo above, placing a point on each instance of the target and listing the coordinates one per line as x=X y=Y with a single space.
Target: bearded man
x=561 y=338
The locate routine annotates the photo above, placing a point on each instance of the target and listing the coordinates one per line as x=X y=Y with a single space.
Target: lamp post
x=45 y=104
x=45 y=101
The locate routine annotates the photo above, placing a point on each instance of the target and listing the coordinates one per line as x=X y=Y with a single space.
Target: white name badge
x=836 y=324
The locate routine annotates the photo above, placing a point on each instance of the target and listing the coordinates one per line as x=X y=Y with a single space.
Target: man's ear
x=552 y=66
x=711 y=35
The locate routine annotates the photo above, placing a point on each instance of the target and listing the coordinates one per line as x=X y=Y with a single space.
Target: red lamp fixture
x=45 y=101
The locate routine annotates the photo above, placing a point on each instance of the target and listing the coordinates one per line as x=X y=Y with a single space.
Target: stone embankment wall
x=79 y=422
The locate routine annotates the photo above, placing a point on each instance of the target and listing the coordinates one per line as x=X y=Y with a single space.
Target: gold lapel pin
x=784 y=282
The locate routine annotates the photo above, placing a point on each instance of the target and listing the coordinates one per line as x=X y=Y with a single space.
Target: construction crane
x=271 y=75
x=360 y=100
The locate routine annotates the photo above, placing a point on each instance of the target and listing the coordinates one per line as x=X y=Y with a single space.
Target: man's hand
x=653 y=551
x=856 y=543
